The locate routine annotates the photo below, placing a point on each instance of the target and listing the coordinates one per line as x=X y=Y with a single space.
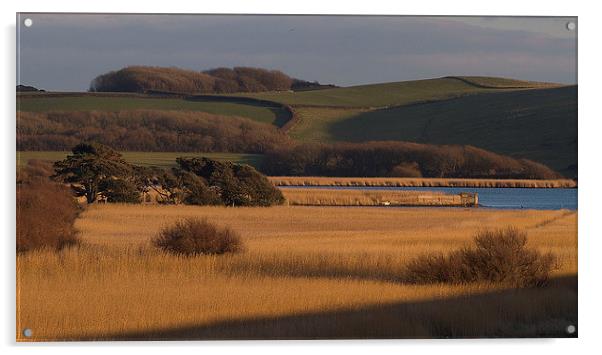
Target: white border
x=590 y=233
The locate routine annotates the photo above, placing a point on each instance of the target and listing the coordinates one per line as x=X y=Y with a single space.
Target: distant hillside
x=539 y=124
x=503 y=83
x=522 y=119
x=378 y=95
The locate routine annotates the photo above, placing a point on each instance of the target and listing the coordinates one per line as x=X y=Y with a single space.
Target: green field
x=42 y=103
x=160 y=159
x=504 y=83
x=381 y=95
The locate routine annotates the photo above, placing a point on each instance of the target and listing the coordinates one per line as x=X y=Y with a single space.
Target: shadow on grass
x=540 y=312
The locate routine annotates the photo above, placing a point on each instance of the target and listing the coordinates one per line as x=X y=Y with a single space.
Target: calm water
x=538 y=199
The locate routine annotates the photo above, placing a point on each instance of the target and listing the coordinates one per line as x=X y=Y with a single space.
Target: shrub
x=46 y=212
x=195 y=236
x=499 y=256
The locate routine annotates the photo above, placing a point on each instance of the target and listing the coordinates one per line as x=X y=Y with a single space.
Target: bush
x=499 y=256
x=195 y=236
x=46 y=212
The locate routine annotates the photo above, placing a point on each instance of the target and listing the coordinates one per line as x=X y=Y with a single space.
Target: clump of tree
x=142 y=79
x=46 y=211
x=220 y=80
x=399 y=159
x=303 y=85
x=194 y=236
x=245 y=79
x=97 y=171
x=499 y=256
x=147 y=130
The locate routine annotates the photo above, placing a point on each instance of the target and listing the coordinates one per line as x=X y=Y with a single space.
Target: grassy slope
x=41 y=103
x=537 y=124
x=377 y=95
x=160 y=159
x=398 y=93
x=492 y=82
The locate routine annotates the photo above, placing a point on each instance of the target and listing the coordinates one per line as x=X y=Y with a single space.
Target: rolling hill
x=396 y=93
x=523 y=119
x=540 y=125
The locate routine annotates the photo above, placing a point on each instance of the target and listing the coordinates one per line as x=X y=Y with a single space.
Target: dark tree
x=238 y=185
x=180 y=186
x=88 y=168
x=120 y=191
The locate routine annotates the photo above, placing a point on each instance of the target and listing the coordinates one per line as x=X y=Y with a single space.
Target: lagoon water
x=515 y=198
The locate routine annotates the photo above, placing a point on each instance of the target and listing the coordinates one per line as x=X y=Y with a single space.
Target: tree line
x=399 y=159
x=214 y=81
x=146 y=130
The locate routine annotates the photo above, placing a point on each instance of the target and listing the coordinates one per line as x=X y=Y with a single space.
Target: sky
x=64 y=52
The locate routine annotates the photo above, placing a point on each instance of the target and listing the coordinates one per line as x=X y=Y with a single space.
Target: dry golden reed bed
x=418 y=182
x=307 y=272
x=332 y=197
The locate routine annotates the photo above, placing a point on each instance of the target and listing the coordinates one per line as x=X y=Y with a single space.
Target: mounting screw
x=571 y=329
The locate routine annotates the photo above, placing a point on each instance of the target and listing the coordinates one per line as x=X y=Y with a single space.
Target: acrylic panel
x=211 y=177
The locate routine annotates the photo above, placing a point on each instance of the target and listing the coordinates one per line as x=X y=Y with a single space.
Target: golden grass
x=418 y=182
x=307 y=272
x=332 y=197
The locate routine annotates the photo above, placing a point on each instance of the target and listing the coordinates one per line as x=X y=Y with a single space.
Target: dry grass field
x=418 y=182
x=306 y=272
